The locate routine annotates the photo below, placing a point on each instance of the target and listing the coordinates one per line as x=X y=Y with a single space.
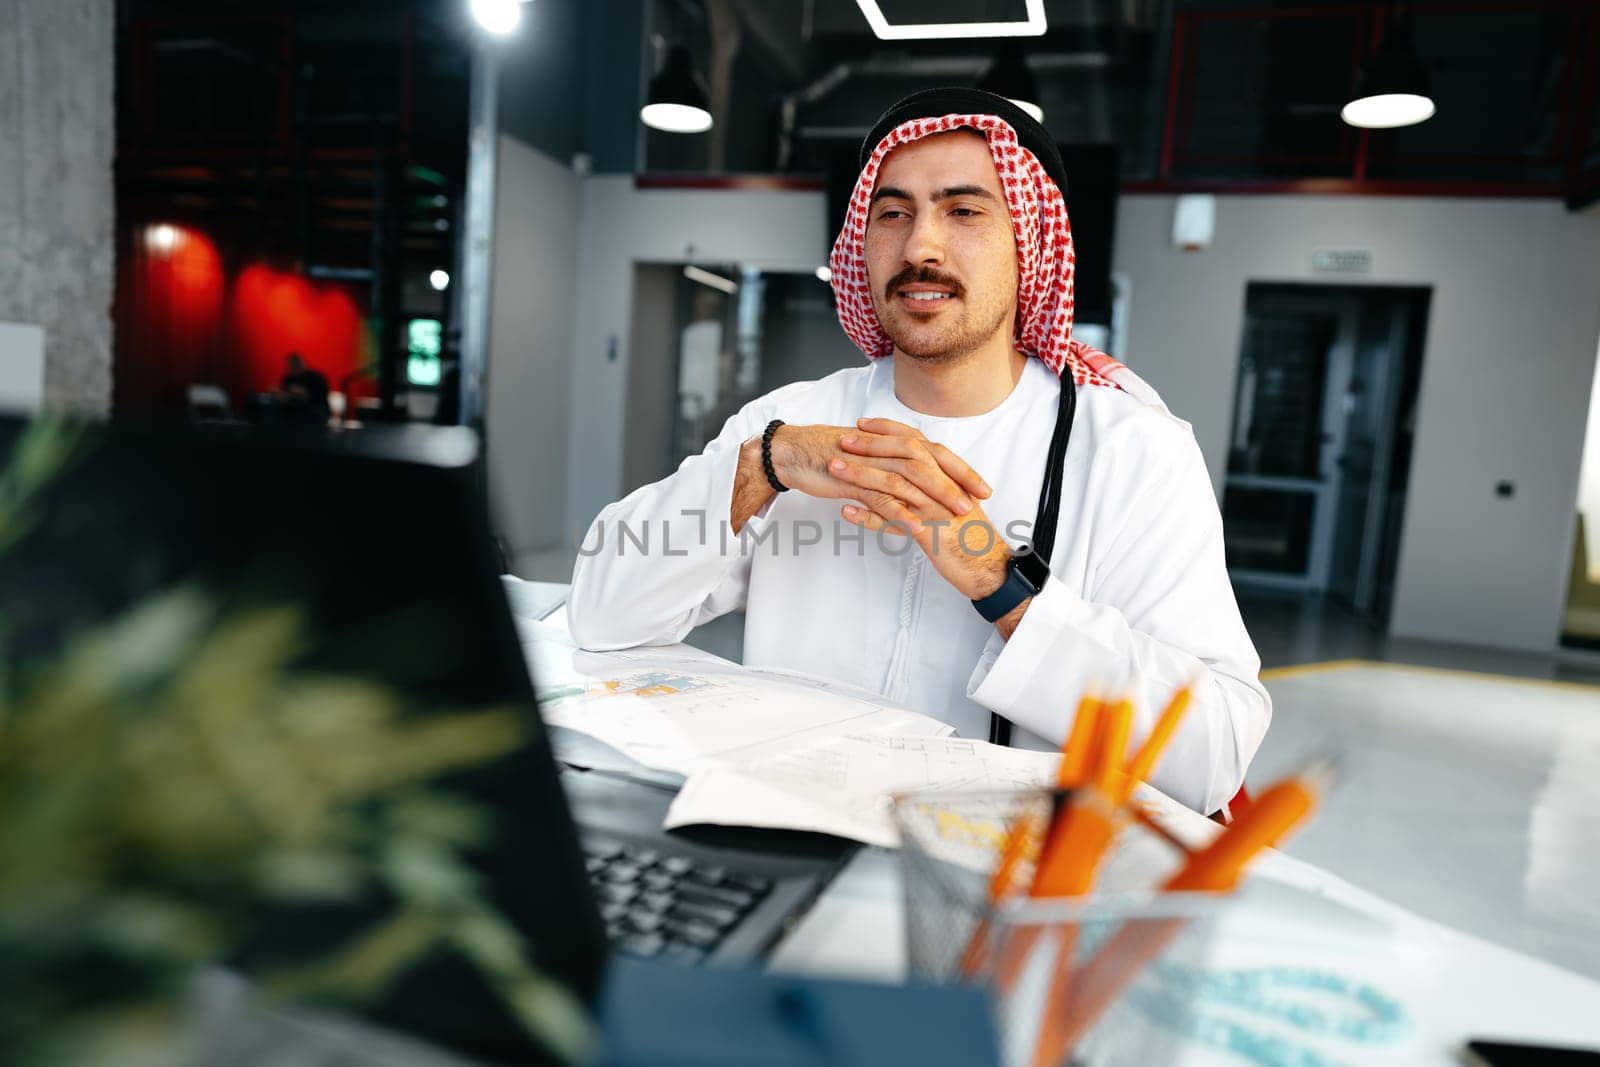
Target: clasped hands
x=900 y=483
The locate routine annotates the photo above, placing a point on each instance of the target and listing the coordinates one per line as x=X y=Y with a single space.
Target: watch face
x=1033 y=569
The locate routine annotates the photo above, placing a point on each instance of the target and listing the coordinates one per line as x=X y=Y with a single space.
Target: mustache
x=926 y=275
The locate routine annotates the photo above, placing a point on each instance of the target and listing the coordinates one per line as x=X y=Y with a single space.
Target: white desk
x=1451 y=985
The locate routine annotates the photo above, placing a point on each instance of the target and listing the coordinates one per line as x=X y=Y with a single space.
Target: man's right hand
x=800 y=457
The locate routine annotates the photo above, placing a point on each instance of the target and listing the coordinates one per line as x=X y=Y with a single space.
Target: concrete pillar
x=57 y=137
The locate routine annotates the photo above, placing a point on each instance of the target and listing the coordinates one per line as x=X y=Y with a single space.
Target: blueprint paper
x=688 y=712
x=843 y=787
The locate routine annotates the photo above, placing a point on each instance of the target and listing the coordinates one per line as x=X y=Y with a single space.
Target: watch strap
x=1013 y=591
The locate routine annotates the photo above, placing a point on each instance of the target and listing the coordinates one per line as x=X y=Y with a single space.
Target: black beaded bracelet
x=766 y=456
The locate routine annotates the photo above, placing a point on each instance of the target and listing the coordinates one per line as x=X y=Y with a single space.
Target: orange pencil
x=1075 y=749
x=1016 y=846
x=1077 y=841
x=1215 y=868
x=1077 y=763
x=1072 y=843
x=1149 y=754
x=1111 y=747
x=1268 y=819
x=1082 y=830
x=1084 y=836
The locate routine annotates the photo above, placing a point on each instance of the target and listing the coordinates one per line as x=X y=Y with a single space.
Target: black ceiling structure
x=1218 y=95
x=299 y=116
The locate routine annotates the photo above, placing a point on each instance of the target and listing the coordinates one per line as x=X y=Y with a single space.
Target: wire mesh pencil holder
x=1105 y=979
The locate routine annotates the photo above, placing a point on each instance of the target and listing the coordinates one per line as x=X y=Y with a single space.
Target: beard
x=948 y=338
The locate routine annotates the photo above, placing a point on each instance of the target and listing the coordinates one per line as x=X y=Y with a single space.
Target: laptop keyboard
x=667 y=907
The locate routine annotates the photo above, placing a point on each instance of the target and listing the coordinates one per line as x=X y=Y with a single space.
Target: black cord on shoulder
x=1043 y=541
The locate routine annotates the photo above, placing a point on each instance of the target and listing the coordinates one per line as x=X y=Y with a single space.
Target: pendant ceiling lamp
x=677 y=102
x=499 y=17
x=1394 y=89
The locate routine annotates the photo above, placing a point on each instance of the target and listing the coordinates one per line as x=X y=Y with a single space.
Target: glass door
x=1370 y=407
x=1580 y=621
x=1281 y=493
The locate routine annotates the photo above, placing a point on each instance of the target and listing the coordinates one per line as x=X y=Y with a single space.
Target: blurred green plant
x=171 y=775
x=42 y=451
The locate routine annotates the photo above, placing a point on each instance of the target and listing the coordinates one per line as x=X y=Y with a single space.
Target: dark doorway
x=1323 y=423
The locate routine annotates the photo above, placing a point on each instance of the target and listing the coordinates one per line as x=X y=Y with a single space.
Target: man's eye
x=965 y=212
x=893 y=213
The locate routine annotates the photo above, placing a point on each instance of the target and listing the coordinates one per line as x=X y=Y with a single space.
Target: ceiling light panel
x=1032 y=26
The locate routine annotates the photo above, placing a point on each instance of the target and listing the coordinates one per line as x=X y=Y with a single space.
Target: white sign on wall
x=1341 y=260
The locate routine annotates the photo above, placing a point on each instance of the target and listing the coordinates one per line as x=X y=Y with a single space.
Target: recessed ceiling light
x=1032 y=26
x=499 y=17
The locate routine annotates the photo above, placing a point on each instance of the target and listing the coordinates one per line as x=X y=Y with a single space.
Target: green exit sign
x=424 y=349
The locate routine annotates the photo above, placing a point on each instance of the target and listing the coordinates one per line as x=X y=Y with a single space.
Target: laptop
x=308 y=632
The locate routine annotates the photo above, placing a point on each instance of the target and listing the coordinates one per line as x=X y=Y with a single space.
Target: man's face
x=941 y=258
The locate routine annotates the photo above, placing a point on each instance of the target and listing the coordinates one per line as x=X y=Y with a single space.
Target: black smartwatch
x=1025 y=576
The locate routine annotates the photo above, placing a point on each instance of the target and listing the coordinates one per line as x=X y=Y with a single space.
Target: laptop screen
x=262 y=703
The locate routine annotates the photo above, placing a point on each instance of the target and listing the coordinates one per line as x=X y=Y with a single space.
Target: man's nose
x=925 y=243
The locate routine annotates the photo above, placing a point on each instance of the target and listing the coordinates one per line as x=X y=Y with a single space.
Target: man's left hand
x=907 y=490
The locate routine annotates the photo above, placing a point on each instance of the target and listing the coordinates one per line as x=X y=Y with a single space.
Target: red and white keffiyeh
x=1045 y=258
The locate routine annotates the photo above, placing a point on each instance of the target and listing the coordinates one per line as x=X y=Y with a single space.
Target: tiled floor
x=1471 y=799
x=1469 y=781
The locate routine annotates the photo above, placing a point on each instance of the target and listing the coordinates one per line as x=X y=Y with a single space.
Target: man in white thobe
x=874 y=526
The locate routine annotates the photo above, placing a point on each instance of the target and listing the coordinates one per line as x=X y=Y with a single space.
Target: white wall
x=1510 y=354
x=531 y=330
x=621 y=226
x=56 y=142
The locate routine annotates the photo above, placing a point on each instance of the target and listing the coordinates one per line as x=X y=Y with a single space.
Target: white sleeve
x=664 y=559
x=1159 y=612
